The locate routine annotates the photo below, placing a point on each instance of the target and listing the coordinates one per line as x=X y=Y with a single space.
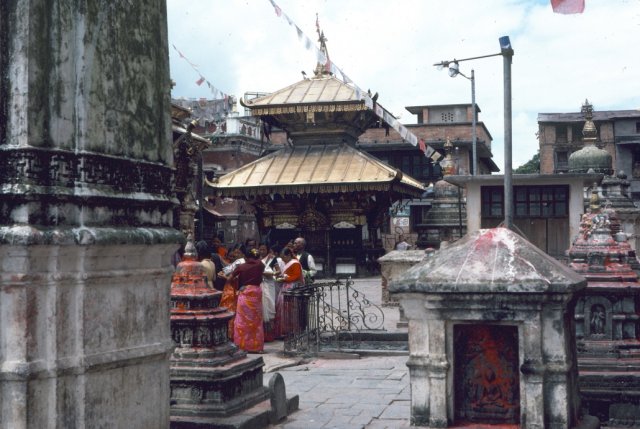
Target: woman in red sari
x=290 y=277
x=248 y=332
x=230 y=292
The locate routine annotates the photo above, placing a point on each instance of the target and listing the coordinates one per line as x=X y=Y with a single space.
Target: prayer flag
x=288 y=19
x=422 y=146
x=200 y=81
x=567 y=6
x=276 y=7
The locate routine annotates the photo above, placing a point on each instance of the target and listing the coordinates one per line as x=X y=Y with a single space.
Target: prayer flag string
x=217 y=94
x=380 y=111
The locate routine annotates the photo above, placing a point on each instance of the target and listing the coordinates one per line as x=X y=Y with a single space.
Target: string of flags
x=380 y=111
x=217 y=94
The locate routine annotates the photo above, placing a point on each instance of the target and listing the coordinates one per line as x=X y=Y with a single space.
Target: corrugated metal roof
x=318 y=168
x=326 y=89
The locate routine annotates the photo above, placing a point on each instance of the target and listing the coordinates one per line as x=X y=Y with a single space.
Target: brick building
x=618 y=132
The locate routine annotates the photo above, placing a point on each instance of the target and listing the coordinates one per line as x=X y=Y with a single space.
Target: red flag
x=567 y=6
x=421 y=145
x=200 y=81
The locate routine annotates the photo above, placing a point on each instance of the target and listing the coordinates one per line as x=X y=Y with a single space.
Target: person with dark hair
x=230 y=289
x=290 y=277
x=204 y=256
x=248 y=332
x=177 y=256
x=250 y=243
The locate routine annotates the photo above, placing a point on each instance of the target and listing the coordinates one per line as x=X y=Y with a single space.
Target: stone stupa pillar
x=85 y=214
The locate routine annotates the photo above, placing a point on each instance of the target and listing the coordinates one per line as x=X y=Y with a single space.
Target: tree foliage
x=530 y=167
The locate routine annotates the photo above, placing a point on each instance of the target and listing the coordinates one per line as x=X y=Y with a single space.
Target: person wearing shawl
x=248 y=332
x=291 y=277
x=230 y=290
x=269 y=259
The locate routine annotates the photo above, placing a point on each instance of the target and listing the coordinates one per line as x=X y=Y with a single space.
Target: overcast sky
x=390 y=47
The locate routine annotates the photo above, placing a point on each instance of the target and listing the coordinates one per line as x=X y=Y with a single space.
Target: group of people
x=252 y=279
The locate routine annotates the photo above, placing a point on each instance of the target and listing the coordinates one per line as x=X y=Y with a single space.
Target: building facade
x=618 y=132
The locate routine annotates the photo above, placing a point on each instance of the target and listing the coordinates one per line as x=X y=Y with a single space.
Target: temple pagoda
x=319 y=185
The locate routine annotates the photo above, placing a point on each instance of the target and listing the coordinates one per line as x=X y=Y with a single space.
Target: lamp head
x=454 y=69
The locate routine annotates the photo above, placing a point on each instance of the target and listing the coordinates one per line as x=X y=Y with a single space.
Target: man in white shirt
x=306 y=260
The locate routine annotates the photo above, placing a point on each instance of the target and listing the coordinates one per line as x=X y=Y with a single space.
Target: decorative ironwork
x=328 y=315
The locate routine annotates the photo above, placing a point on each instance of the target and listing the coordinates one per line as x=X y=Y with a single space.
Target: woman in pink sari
x=248 y=332
x=290 y=277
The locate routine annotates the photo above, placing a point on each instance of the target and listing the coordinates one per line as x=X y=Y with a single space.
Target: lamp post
x=454 y=70
x=506 y=52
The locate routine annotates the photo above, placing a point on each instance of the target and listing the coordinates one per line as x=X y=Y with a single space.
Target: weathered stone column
x=85 y=214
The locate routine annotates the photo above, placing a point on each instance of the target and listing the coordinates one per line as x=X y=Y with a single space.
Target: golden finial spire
x=320 y=68
x=589 y=131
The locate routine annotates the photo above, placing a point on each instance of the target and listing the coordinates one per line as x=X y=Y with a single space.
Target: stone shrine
x=213 y=383
x=446 y=220
x=491 y=335
x=607 y=319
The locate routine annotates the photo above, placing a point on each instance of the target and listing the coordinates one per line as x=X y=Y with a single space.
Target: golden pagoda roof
x=313 y=92
x=317 y=168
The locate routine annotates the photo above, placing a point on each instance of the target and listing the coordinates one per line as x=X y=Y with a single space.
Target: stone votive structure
x=607 y=319
x=491 y=335
x=211 y=379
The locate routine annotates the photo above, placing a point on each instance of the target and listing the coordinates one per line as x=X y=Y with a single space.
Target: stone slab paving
x=365 y=392
x=359 y=393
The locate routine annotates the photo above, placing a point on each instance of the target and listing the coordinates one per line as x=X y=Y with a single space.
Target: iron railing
x=328 y=315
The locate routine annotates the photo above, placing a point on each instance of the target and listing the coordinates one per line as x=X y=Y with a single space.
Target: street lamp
x=454 y=70
x=506 y=52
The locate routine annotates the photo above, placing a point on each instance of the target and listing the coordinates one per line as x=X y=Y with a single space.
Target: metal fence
x=326 y=316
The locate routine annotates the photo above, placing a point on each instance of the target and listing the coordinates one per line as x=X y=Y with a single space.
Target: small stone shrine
x=491 y=335
x=213 y=383
x=614 y=189
x=607 y=319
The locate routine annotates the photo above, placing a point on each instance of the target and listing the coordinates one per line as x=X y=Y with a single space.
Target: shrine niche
x=597 y=318
x=486 y=365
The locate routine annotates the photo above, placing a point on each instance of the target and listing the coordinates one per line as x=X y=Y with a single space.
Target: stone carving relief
x=486 y=373
x=313 y=220
x=597 y=318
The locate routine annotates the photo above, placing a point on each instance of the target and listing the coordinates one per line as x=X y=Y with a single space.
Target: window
x=446 y=117
x=529 y=201
x=492 y=204
x=637 y=127
x=415 y=164
x=561 y=133
x=562 y=161
x=576 y=133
